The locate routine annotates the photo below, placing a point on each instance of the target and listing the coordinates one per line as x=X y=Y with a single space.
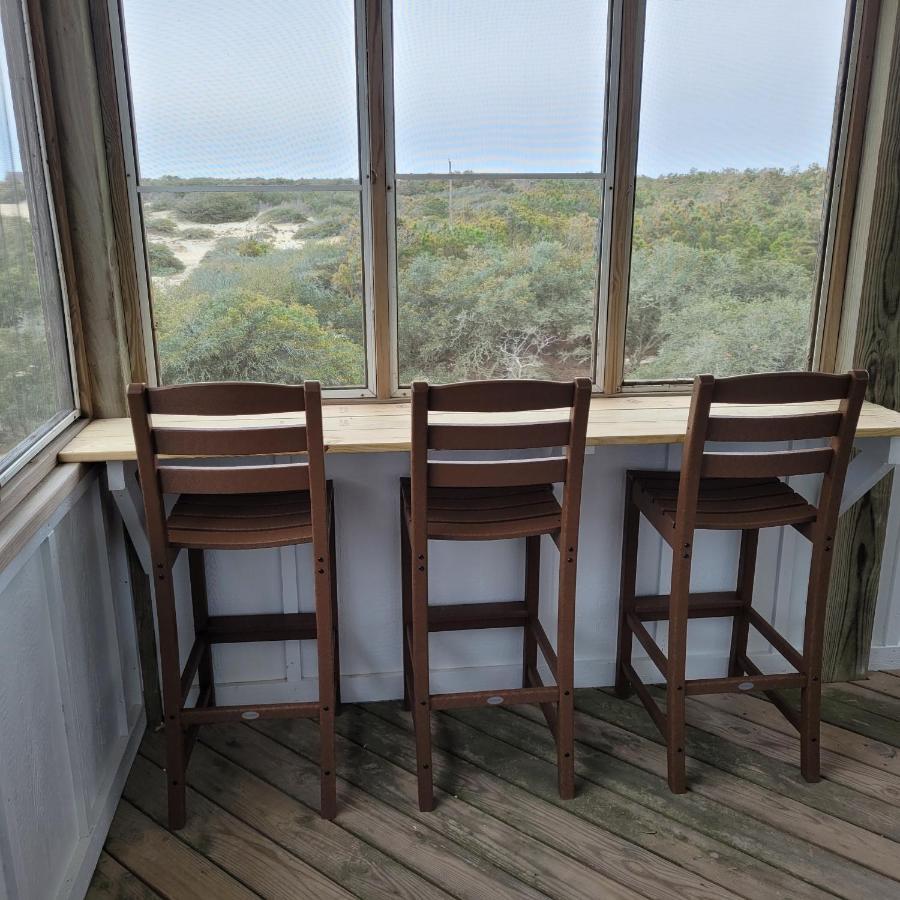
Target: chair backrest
x=510 y=401
x=227 y=433
x=829 y=408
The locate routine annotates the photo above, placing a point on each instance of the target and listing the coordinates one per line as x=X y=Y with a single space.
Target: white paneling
x=70 y=702
x=41 y=822
x=90 y=643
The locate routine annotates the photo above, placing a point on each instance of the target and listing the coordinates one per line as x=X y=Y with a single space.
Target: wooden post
x=876 y=324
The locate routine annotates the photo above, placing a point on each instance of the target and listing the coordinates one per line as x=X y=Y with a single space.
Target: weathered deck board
x=748 y=827
x=767 y=856
x=882 y=683
x=355 y=865
x=606 y=807
x=248 y=856
x=113 y=881
x=855 y=845
x=847 y=743
x=394 y=833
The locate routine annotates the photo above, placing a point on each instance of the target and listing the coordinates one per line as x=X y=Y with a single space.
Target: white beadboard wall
x=366 y=492
x=71 y=714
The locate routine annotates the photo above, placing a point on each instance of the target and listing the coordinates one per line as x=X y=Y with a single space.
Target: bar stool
x=489 y=501
x=741 y=492
x=235 y=507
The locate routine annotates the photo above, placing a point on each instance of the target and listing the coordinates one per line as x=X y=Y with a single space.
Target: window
x=498 y=147
x=737 y=105
x=37 y=397
x=247 y=130
x=371 y=191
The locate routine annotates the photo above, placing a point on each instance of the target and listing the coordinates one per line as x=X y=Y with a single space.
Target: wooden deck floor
x=749 y=826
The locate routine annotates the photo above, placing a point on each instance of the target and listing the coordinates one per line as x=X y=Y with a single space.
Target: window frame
x=602 y=178
x=40 y=189
x=135 y=189
x=624 y=52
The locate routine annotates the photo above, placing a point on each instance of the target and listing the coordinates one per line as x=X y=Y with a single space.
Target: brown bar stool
x=740 y=492
x=489 y=501
x=235 y=507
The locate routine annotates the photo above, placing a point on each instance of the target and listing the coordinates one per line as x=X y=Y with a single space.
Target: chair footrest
x=744 y=683
x=655 y=607
x=506 y=697
x=465 y=616
x=209 y=715
x=260 y=627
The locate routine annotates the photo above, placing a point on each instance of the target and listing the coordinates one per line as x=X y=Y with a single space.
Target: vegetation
x=162 y=260
x=28 y=394
x=497 y=279
x=216 y=207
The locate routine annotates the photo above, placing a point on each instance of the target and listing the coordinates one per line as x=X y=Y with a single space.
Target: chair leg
x=565 y=667
x=334 y=613
x=813 y=639
x=675 y=676
x=171 y=682
x=406 y=595
x=420 y=694
x=532 y=602
x=325 y=647
x=630 y=531
x=200 y=602
x=740 y=628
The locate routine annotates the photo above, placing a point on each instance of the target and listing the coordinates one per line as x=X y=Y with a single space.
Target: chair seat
x=487 y=514
x=723 y=503
x=241 y=521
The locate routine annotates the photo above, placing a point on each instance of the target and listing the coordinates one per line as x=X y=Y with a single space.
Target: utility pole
x=450 y=189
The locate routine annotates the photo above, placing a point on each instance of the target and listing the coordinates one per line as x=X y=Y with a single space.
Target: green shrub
x=253 y=246
x=284 y=214
x=162 y=260
x=215 y=207
x=161 y=226
x=196 y=233
x=319 y=230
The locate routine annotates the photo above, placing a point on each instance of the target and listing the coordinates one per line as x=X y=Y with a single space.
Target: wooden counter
x=384 y=427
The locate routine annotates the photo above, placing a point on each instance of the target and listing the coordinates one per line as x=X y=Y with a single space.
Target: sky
x=10 y=160
x=231 y=89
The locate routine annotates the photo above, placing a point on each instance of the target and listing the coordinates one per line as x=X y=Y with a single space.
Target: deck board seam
x=678 y=821
x=490 y=775
x=375 y=799
x=295 y=799
x=837 y=855
x=184 y=843
x=243 y=821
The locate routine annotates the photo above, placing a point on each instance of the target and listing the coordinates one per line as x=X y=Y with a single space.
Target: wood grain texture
x=750 y=828
x=83 y=175
x=385 y=428
x=860 y=536
x=113 y=151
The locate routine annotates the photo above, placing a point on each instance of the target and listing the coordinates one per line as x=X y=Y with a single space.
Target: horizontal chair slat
x=230 y=441
x=234 y=479
x=766 y=465
x=498 y=437
x=500 y=396
x=776 y=428
x=781 y=387
x=501 y=473
x=226 y=398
